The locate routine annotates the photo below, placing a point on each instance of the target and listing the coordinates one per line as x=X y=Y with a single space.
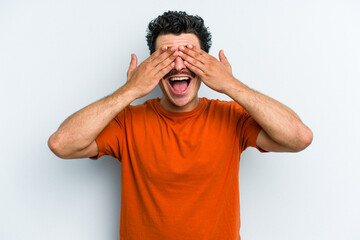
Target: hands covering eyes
x=144 y=78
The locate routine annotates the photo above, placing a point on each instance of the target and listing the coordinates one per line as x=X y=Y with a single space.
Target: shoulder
x=225 y=106
x=138 y=111
x=139 y=108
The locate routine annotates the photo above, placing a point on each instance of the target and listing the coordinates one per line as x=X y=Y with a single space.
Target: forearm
x=80 y=129
x=76 y=135
x=281 y=123
x=284 y=129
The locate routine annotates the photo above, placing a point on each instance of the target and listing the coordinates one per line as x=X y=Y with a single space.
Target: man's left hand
x=216 y=74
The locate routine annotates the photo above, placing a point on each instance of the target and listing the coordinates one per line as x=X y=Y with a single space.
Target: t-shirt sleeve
x=248 y=130
x=109 y=140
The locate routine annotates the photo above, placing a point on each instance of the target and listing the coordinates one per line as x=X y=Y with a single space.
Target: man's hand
x=144 y=78
x=282 y=128
x=214 y=73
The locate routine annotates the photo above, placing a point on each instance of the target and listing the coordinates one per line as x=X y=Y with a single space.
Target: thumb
x=224 y=60
x=133 y=64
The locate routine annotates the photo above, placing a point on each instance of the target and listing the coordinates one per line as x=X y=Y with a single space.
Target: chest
x=188 y=150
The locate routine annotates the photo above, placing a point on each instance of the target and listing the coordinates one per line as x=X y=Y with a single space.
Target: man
x=180 y=153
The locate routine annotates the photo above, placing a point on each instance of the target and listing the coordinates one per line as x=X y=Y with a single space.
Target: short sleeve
x=109 y=140
x=248 y=130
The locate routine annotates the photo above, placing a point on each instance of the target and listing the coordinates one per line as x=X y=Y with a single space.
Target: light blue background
x=58 y=56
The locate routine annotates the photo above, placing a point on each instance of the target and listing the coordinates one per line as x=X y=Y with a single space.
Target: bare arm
x=283 y=131
x=76 y=136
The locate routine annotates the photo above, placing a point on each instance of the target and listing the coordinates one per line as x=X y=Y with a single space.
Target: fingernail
x=181 y=53
x=189 y=46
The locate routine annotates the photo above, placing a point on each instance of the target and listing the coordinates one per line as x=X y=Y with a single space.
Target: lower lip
x=179 y=92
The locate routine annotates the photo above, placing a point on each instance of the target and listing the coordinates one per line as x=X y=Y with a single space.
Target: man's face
x=180 y=86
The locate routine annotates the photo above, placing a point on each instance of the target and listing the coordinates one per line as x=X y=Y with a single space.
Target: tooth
x=179 y=78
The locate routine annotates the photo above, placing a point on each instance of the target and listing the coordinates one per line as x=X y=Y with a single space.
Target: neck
x=172 y=107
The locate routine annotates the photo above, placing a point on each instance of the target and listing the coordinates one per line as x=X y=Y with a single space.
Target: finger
x=133 y=64
x=193 y=61
x=195 y=53
x=196 y=49
x=222 y=57
x=224 y=60
x=167 y=61
x=171 y=54
x=194 y=69
x=156 y=54
x=160 y=74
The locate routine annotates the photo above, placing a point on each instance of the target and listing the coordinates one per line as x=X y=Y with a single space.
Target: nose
x=179 y=64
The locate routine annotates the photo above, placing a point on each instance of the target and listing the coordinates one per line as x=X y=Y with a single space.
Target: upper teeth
x=178 y=78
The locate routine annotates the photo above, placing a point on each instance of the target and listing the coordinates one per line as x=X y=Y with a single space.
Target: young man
x=180 y=153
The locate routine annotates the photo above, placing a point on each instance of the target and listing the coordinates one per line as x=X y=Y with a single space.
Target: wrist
x=233 y=85
x=238 y=90
x=124 y=94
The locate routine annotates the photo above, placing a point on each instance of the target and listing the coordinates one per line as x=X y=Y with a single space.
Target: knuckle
x=168 y=61
x=164 y=64
x=148 y=66
x=163 y=72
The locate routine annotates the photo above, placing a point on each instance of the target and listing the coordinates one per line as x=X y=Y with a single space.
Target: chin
x=182 y=102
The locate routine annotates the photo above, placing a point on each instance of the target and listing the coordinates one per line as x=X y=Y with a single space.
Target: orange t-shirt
x=179 y=170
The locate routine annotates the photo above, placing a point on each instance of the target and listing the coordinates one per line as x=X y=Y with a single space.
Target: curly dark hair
x=177 y=22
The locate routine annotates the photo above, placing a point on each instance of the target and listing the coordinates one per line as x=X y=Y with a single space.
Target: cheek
x=198 y=82
x=162 y=83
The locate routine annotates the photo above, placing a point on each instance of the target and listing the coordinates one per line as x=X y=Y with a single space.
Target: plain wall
x=59 y=56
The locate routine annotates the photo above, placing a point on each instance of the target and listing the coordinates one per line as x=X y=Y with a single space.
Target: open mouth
x=179 y=85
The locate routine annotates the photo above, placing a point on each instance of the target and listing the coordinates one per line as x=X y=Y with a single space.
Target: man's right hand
x=76 y=136
x=142 y=79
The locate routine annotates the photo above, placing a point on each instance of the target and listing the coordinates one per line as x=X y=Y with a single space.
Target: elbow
x=55 y=145
x=305 y=138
